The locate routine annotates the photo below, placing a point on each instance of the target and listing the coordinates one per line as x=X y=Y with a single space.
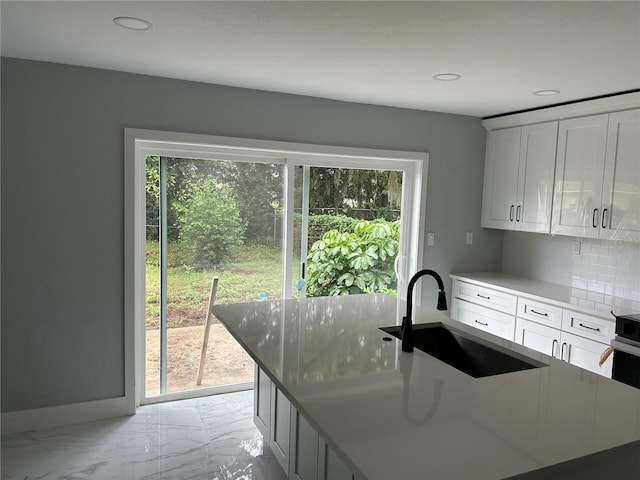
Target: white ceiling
x=381 y=53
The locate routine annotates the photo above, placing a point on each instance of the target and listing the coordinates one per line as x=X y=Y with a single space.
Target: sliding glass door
x=243 y=220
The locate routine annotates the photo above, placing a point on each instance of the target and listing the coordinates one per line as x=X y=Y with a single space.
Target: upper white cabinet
x=518 y=180
x=597 y=186
x=621 y=187
x=571 y=169
x=579 y=175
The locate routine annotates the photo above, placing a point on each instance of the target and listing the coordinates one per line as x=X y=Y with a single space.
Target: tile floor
x=211 y=438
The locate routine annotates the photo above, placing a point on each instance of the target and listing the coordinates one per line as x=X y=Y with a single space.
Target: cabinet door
x=330 y=466
x=501 y=178
x=620 y=217
x=584 y=353
x=280 y=427
x=579 y=175
x=538 y=337
x=535 y=178
x=262 y=402
x=303 y=461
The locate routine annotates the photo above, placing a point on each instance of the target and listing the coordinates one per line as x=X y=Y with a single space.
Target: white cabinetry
x=490 y=310
x=621 y=188
x=518 y=179
x=303 y=458
x=298 y=448
x=597 y=179
x=557 y=340
x=262 y=402
x=279 y=434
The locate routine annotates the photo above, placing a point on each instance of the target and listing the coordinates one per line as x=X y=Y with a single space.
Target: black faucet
x=407 y=325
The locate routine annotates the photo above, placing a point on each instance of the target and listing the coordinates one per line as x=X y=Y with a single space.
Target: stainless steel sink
x=470 y=355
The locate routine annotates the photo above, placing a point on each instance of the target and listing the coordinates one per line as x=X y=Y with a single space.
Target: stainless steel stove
x=626 y=350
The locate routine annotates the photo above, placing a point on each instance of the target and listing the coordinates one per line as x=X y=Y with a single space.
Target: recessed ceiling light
x=447 y=77
x=546 y=93
x=132 y=23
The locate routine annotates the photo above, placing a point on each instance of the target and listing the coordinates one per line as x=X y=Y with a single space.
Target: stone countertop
x=392 y=415
x=592 y=303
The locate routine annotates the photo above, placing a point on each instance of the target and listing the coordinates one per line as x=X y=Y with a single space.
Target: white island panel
x=390 y=414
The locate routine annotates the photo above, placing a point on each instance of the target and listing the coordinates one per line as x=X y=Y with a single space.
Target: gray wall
x=62 y=203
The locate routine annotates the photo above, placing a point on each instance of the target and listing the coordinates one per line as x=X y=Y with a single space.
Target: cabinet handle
x=518 y=213
x=564 y=344
x=511 y=214
x=554 y=345
x=482 y=296
x=594 y=221
x=539 y=313
x=604 y=214
x=595 y=329
x=478 y=321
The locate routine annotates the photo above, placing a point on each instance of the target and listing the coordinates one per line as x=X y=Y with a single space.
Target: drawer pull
x=482 y=296
x=539 y=313
x=595 y=329
x=481 y=323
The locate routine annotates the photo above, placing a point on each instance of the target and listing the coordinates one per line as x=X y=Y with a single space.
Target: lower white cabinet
x=585 y=353
x=298 y=448
x=579 y=351
x=538 y=337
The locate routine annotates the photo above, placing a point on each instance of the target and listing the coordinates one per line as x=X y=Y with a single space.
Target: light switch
x=469 y=238
x=431 y=239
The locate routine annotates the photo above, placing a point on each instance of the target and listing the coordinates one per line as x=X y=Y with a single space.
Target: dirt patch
x=225 y=361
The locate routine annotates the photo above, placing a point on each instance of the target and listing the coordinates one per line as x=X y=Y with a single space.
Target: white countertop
x=561 y=295
x=426 y=419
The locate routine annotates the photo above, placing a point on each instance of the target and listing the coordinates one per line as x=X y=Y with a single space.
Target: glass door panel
x=206 y=219
x=347 y=224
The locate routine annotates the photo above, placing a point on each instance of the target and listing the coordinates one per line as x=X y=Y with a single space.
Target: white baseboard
x=38 y=418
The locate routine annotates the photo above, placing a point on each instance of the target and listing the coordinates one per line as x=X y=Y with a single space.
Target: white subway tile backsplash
x=604 y=269
x=607 y=270
x=606 y=280
x=598 y=269
x=595 y=287
x=608 y=261
x=595 y=297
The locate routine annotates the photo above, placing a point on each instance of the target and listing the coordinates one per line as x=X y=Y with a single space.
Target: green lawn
x=254 y=269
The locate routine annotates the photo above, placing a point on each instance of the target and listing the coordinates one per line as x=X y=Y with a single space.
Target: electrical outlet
x=576 y=247
x=469 y=238
x=431 y=239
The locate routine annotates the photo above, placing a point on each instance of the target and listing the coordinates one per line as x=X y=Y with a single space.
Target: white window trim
x=138 y=143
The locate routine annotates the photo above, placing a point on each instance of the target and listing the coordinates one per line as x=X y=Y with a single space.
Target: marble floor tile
x=210 y=438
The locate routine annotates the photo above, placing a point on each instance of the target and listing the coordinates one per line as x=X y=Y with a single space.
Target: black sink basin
x=470 y=355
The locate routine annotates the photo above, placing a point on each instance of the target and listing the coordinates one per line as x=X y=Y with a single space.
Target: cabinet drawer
x=588 y=326
x=496 y=323
x=540 y=312
x=486 y=297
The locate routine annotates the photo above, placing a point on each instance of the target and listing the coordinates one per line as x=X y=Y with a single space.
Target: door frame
x=139 y=143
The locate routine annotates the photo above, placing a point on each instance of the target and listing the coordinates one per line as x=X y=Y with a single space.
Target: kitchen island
x=393 y=415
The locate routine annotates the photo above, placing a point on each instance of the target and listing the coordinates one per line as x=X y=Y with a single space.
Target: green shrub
x=343 y=263
x=210 y=224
